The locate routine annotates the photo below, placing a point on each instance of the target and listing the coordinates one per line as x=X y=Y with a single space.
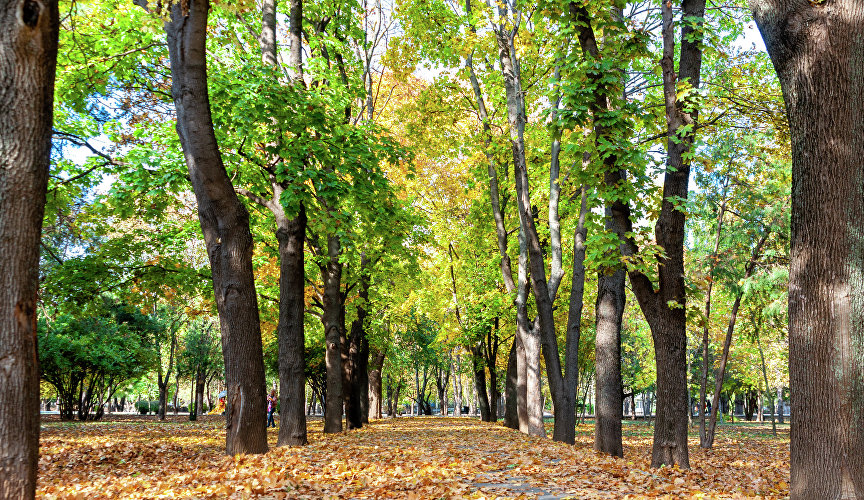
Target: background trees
x=429 y=209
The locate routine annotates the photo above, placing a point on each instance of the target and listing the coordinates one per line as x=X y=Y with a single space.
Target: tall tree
x=818 y=55
x=664 y=308
x=28 y=58
x=225 y=224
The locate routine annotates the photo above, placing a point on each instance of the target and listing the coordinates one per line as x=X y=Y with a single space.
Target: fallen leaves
x=400 y=458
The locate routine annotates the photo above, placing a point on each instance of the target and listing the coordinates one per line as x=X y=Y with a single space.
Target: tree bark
x=511 y=413
x=225 y=225
x=609 y=390
x=543 y=293
x=375 y=384
x=665 y=308
x=355 y=364
x=28 y=59
x=479 y=371
x=290 y=235
x=818 y=53
x=706 y=344
x=332 y=318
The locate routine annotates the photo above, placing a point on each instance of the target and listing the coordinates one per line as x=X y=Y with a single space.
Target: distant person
x=271 y=408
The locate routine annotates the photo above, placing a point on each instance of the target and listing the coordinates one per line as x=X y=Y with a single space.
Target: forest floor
x=427 y=457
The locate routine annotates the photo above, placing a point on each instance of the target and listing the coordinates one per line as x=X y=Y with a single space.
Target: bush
x=143 y=407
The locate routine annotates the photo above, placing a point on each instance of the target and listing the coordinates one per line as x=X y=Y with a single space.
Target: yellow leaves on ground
x=136 y=457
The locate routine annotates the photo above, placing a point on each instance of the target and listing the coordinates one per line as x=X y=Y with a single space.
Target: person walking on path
x=271 y=408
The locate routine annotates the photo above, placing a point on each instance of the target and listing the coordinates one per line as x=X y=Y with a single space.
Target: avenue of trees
x=525 y=208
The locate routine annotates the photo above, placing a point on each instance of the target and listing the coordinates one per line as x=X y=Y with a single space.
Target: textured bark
x=357 y=360
x=706 y=344
x=529 y=395
x=334 y=327
x=28 y=58
x=290 y=234
x=818 y=53
x=225 y=225
x=609 y=391
x=478 y=364
x=665 y=308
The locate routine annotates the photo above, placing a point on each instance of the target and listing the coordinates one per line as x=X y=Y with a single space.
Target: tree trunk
x=529 y=392
x=199 y=394
x=357 y=361
x=609 y=391
x=706 y=344
x=332 y=319
x=377 y=365
x=28 y=58
x=727 y=342
x=290 y=234
x=478 y=364
x=818 y=53
x=780 y=409
x=225 y=225
x=511 y=413
x=665 y=308
x=176 y=391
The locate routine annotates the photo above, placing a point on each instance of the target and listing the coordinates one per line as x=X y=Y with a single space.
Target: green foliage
x=87 y=359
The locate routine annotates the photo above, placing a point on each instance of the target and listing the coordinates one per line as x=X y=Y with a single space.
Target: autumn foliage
x=132 y=457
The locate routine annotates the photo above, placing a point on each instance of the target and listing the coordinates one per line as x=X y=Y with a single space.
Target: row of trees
x=309 y=153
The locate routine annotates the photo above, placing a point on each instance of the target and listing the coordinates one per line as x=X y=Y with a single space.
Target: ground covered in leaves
x=138 y=457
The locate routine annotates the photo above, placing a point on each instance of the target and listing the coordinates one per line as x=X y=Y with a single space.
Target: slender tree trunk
x=225 y=225
x=780 y=409
x=457 y=389
x=28 y=58
x=706 y=344
x=818 y=53
x=721 y=370
x=542 y=298
x=176 y=390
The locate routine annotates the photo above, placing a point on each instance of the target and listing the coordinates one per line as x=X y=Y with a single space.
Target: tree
x=28 y=58
x=817 y=55
x=87 y=359
x=225 y=224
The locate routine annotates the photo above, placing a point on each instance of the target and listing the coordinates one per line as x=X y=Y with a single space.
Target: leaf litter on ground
x=429 y=457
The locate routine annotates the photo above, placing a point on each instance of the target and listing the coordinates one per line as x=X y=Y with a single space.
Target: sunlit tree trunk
x=225 y=225
x=818 y=52
x=28 y=58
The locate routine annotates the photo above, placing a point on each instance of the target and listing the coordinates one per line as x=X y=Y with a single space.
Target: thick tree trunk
x=225 y=224
x=290 y=234
x=28 y=58
x=332 y=319
x=529 y=395
x=818 y=52
x=479 y=371
x=511 y=412
x=609 y=391
x=357 y=360
x=376 y=366
x=665 y=308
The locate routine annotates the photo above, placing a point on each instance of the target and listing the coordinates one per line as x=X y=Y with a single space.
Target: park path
x=429 y=457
